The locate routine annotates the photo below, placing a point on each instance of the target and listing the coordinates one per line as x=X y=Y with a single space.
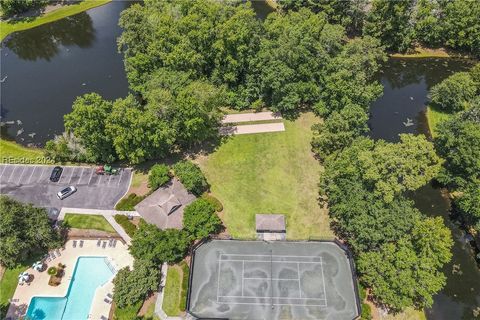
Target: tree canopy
x=200 y=219
x=455 y=93
x=24 y=231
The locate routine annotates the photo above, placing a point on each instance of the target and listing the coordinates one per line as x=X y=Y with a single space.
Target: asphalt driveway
x=31 y=184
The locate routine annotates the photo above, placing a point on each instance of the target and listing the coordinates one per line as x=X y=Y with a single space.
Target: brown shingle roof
x=158 y=207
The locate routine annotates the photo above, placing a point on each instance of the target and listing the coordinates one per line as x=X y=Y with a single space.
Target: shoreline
x=10 y=26
x=424 y=52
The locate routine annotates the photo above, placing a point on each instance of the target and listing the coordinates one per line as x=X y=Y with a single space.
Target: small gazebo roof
x=270 y=222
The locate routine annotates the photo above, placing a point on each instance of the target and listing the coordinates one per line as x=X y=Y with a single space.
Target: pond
x=406 y=83
x=47 y=67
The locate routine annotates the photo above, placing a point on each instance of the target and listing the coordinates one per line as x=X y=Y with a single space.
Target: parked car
x=56 y=174
x=68 y=191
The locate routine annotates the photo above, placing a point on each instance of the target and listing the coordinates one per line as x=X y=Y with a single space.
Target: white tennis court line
x=270 y=279
x=266 y=255
x=275 y=304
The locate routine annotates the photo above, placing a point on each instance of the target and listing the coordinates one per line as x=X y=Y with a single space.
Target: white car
x=68 y=191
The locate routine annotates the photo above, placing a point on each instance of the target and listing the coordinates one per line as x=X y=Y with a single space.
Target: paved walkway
x=249 y=117
x=252 y=128
x=107 y=214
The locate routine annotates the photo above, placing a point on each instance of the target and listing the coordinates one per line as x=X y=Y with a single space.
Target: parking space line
x=120 y=178
x=41 y=174
x=109 y=179
x=11 y=175
x=64 y=173
x=1 y=174
x=21 y=174
x=71 y=175
x=31 y=175
x=99 y=179
x=91 y=176
x=81 y=176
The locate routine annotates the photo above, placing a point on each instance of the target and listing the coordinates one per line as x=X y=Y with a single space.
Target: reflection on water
x=45 y=42
x=406 y=84
x=47 y=67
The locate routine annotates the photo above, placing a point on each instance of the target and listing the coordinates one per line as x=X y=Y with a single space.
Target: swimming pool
x=89 y=274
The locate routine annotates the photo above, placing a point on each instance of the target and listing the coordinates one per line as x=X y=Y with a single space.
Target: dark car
x=56 y=174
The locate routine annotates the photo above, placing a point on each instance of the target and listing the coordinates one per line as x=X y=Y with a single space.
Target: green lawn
x=83 y=221
x=13 y=152
x=434 y=117
x=269 y=173
x=172 y=294
x=12 y=26
x=9 y=283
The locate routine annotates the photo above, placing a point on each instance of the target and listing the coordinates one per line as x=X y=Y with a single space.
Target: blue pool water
x=89 y=274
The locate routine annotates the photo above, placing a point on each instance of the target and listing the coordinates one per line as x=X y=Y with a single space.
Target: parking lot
x=31 y=184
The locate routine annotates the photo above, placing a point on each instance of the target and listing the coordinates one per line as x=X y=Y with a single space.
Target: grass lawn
x=127 y=313
x=12 y=26
x=434 y=117
x=9 y=283
x=407 y=314
x=83 y=221
x=171 y=298
x=269 y=173
x=11 y=152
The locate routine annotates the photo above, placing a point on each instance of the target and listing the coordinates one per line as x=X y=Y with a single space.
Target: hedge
x=128 y=203
x=213 y=201
x=183 y=294
x=126 y=224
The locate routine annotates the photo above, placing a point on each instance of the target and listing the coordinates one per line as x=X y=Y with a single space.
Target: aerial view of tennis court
x=279 y=280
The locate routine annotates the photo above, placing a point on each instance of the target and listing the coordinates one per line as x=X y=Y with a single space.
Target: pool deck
x=119 y=257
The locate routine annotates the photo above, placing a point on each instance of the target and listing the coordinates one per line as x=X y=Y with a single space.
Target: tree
x=159 y=175
x=87 y=123
x=339 y=130
x=475 y=75
x=158 y=246
x=428 y=26
x=397 y=167
x=408 y=272
x=390 y=21
x=200 y=219
x=468 y=204
x=292 y=56
x=454 y=93
x=349 y=77
x=132 y=286
x=458 y=142
x=137 y=134
x=191 y=177
x=11 y=7
x=24 y=231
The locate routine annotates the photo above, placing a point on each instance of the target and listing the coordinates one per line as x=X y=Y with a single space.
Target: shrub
x=52 y=271
x=454 y=93
x=183 y=294
x=127 y=313
x=132 y=286
x=366 y=312
x=213 y=201
x=158 y=176
x=191 y=177
x=126 y=224
x=200 y=219
x=129 y=203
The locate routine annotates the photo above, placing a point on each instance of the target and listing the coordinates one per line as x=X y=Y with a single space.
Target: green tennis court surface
x=279 y=280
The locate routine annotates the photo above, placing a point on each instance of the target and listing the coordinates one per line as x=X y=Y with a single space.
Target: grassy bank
x=434 y=117
x=7 y=27
x=174 y=300
x=269 y=173
x=83 y=221
x=11 y=152
x=9 y=283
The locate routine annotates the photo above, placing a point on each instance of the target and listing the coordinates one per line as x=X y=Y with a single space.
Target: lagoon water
x=47 y=67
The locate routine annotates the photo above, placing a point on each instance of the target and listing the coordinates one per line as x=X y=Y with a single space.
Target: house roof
x=270 y=222
x=164 y=207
